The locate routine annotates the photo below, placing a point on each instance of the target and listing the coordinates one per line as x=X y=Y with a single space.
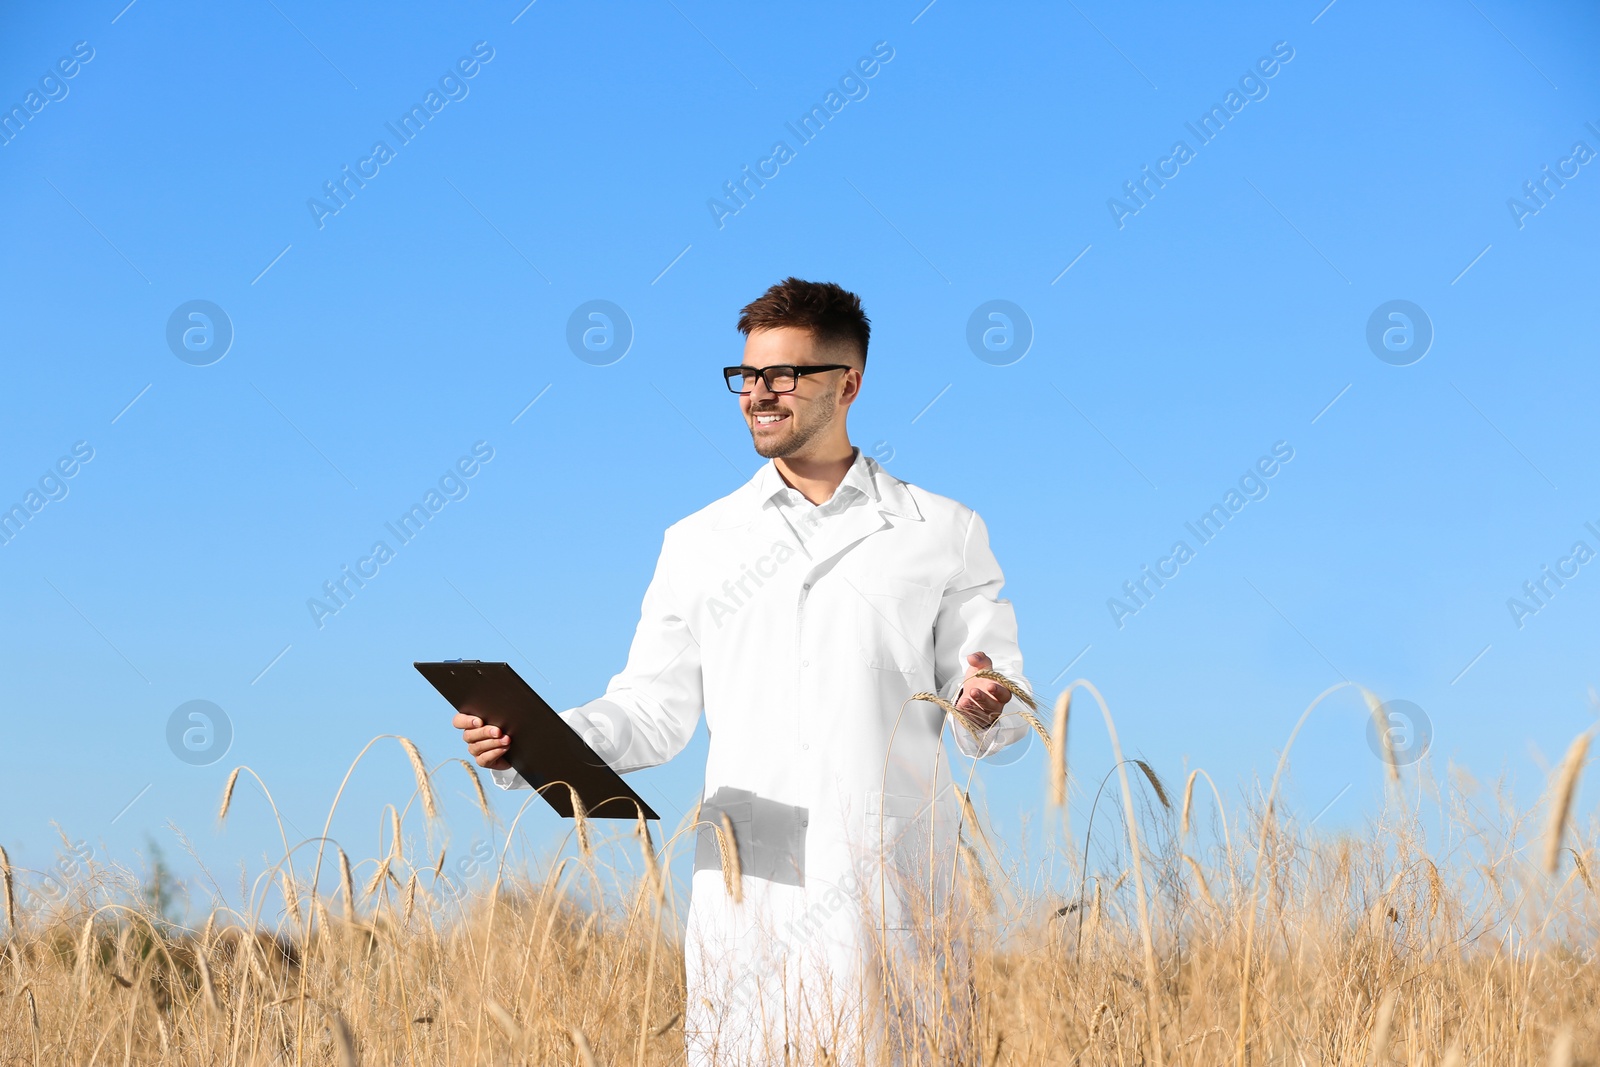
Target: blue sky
x=984 y=159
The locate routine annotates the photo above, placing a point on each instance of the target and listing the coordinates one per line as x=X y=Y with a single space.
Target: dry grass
x=1435 y=937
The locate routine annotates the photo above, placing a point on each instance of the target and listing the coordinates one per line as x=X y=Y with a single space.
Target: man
x=801 y=613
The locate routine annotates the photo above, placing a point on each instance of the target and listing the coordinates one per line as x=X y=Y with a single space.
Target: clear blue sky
x=374 y=346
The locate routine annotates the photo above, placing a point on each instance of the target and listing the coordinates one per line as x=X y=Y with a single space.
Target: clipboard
x=547 y=752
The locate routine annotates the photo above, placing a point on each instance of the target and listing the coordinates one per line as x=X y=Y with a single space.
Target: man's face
x=782 y=424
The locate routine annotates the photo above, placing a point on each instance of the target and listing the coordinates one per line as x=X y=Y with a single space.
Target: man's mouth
x=770 y=418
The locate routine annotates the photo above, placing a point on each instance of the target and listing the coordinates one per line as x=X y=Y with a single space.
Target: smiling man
x=800 y=614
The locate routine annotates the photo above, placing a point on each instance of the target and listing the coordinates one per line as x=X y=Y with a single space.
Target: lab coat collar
x=883 y=492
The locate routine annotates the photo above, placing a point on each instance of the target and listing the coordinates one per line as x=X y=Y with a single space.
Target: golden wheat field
x=1454 y=930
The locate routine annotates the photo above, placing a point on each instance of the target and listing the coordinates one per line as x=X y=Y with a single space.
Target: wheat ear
x=647 y=848
x=84 y=941
x=505 y=1022
x=1188 y=802
x=1582 y=869
x=1058 y=750
x=1155 y=783
x=346 y=884
x=377 y=878
x=580 y=823
x=227 y=794
x=1200 y=880
x=7 y=882
x=1561 y=800
x=1435 y=887
x=728 y=849
x=1380 y=722
x=291 y=898
x=477 y=786
x=420 y=771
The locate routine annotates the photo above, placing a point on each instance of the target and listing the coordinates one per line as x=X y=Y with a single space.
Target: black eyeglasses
x=780 y=377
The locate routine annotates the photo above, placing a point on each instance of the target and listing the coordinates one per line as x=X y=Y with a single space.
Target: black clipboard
x=544 y=749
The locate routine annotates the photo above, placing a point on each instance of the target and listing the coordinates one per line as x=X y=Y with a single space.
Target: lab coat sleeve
x=650 y=709
x=974 y=617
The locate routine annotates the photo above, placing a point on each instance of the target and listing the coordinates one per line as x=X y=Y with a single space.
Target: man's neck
x=817 y=477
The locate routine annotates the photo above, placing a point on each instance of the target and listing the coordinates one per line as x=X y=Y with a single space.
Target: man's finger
x=463 y=721
x=482 y=733
x=491 y=762
x=993 y=689
x=981 y=701
x=499 y=745
x=980 y=661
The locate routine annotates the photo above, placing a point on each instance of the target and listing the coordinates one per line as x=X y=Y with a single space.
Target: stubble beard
x=801 y=432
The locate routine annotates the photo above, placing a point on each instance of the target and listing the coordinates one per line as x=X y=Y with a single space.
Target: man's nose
x=759 y=390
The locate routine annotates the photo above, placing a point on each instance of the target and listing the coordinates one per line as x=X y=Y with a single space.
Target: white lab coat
x=802 y=652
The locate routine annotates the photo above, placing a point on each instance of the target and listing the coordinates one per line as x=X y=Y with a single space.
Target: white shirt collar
x=857 y=480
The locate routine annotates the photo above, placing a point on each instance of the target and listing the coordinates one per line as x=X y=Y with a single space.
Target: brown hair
x=831 y=314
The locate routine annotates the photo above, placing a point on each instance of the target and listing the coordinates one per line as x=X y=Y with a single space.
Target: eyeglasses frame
x=800 y=370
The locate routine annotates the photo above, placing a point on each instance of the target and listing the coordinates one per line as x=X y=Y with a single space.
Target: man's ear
x=851 y=387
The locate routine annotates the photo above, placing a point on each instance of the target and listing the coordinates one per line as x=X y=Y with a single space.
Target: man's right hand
x=488 y=744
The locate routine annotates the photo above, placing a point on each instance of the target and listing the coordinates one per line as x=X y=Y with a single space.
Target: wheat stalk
x=1561 y=799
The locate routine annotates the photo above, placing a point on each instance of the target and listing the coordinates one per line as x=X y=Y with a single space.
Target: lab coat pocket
x=894 y=625
x=769 y=836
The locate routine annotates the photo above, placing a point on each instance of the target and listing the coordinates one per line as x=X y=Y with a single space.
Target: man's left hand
x=981 y=699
